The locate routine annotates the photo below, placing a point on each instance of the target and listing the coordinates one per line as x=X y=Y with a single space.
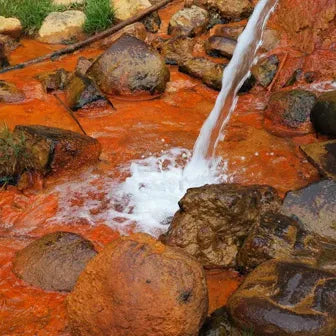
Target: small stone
x=218 y=46
x=323 y=114
x=9 y=93
x=152 y=22
x=124 y=9
x=55 y=80
x=188 y=22
x=10 y=26
x=209 y=72
x=227 y=30
x=82 y=66
x=265 y=70
x=3 y=58
x=54 y=261
x=323 y=156
x=62 y=27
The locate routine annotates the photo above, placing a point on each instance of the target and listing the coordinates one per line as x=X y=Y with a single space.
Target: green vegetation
x=31 y=13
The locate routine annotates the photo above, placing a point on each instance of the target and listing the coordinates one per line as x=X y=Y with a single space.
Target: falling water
x=151 y=194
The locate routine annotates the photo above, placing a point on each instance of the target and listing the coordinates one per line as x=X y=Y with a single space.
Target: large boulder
x=209 y=72
x=9 y=93
x=188 y=22
x=286 y=299
x=130 y=67
x=228 y=9
x=124 y=9
x=137 y=286
x=315 y=207
x=288 y=112
x=214 y=220
x=10 y=26
x=54 y=261
x=62 y=27
x=281 y=237
x=323 y=114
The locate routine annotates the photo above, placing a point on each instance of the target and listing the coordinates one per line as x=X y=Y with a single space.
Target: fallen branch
x=76 y=46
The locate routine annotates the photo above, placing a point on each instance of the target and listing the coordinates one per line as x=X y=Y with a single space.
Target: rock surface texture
x=124 y=9
x=280 y=299
x=10 y=26
x=9 y=93
x=137 y=286
x=54 y=261
x=130 y=67
x=214 y=220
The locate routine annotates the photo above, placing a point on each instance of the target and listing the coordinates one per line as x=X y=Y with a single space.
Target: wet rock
x=9 y=43
x=81 y=91
x=226 y=30
x=138 y=286
x=176 y=49
x=188 y=22
x=55 y=80
x=152 y=22
x=218 y=46
x=10 y=26
x=214 y=220
x=248 y=84
x=62 y=27
x=3 y=58
x=323 y=156
x=228 y=9
x=9 y=93
x=296 y=75
x=271 y=39
x=310 y=76
x=82 y=66
x=323 y=115
x=219 y=324
x=54 y=261
x=214 y=18
x=265 y=70
x=137 y=30
x=54 y=149
x=281 y=237
x=124 y=9
x=281 y=298
x=314 y=206
x=288 y=112
x=130 y=67
x=210 y=73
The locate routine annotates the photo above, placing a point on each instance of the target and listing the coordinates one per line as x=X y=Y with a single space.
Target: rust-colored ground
x=132 y=130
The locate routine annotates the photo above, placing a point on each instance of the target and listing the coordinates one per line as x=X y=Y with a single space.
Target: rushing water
x=151 y=193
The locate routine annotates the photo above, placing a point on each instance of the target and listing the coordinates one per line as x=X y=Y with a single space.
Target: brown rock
x=130 y=67
x=82 y=66
x=323 y=156
x=210 y=73
x=227 y=30
x=152 y=22
x=55 y=80
x=286 y=299
x=271 y=39
x=3 y=58
x=10 y=94
x=214 y=220
x=265 y=70
x=218 y=46
x=137 y=286
x=54 y=149
x=54 y=261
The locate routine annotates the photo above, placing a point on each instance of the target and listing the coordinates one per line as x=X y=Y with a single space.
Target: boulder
x=323 y=114
x=130 y=67
x=209 y=72
x=138 y=286
x=228 y=9
x=54 y=80
x=315 y=207
x=62 y=27
x=54 y=149
x=288 y=112
x=218 y=46
x=152 y=22
x=54 y=261
x=227 y=30
x=124 y=9
x=265 y=70
x=10 y=26
x=323 y=156
x=10 y=94
x=281 y=237
x=214 y=220
x=188 y=22
x=286 y=299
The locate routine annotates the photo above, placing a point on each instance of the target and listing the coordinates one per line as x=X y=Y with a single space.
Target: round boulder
x=130 y=67
x=54 y=261
x=137 y=286
x=286 y=299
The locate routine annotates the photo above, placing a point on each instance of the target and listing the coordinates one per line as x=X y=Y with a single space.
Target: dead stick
x=90 y=40
x=70 y=112
x=278 y=72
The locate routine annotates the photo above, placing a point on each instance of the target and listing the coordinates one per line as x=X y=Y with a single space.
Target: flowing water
x=156 y=184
